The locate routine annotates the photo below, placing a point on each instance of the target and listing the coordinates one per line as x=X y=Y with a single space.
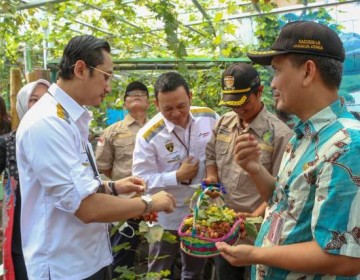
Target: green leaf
x=201 y=215
x=169 y=237
x=125 y=273
x=217 y=40
x=143 y=227
x=251 y=229
x=214 y=219
x=121 y=246
x=254 y=220
x=154 y=234
x=218 y=17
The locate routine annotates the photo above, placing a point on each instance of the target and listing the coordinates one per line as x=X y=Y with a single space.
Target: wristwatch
x=148 y=201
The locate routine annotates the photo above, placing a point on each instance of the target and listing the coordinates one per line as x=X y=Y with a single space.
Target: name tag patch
x=224 y=138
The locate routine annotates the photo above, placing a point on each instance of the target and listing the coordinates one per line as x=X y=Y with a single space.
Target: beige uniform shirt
x=242 y=194
x=115 y=147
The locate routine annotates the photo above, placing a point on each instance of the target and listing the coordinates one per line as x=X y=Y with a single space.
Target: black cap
x=302 y=37
x=238 y=80
x=136 y=85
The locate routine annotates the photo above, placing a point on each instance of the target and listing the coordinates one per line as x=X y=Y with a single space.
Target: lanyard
x=92 y=162
x=187 y=148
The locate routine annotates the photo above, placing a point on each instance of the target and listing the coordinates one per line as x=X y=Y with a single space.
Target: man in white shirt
x=170 y=155
x=63 y=222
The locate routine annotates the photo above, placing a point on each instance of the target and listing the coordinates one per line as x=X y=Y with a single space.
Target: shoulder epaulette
x=61 y=113
x=154 y=130
x=203 y=112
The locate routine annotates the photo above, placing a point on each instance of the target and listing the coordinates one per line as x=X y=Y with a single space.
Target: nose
x=108 y=88
x=175 y=113
x=272 y=84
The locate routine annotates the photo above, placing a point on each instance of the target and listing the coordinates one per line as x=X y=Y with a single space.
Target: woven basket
x=204 y=247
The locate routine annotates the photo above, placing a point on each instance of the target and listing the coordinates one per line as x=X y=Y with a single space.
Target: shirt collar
x=74 y=110
x=128 y=120
x=321 y=119
x=171 y=126
x=258 y=125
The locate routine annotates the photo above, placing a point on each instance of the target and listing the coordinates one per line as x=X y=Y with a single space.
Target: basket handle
x=197 y=206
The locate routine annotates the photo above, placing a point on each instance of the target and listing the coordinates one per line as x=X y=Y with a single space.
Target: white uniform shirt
x=55 y=176
x=158 y=154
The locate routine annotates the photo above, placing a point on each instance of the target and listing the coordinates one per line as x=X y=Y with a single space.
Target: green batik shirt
x=317 y=194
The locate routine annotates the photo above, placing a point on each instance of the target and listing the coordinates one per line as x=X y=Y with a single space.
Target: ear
x=309 y=69
x=190 y=96
x=260 y=91
x=79 y=69
x=156 y=104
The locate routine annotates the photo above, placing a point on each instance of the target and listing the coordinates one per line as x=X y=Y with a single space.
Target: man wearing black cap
x=115 y=146
x=241 y=91
x=313 y=224
x=114 y=158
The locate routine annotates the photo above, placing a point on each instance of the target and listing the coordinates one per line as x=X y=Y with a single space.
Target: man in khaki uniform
x=114 y=158
x=241 y=91
x=115 y=147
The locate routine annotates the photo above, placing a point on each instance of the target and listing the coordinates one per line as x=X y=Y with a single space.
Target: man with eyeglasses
x=242 y=91
x=114 y=158
x=65 y=205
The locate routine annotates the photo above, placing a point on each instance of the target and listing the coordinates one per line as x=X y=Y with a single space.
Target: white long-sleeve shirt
x=55 y=176
x=158 y=154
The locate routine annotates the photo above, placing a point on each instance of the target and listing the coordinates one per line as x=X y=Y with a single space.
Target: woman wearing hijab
x=14 y=266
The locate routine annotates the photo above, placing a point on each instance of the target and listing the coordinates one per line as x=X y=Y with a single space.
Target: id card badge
x=276 y=228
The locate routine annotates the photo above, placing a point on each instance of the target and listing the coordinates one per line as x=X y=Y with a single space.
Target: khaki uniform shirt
x=115 y=147
x=272 y=133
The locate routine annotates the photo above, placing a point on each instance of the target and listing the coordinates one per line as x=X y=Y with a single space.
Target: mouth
x=240 y=111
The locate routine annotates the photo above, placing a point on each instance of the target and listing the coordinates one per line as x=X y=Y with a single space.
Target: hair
x=168 y=82
x=330 y=69
x=255 y=90
x=87 y=48
x=135 y=85
x=5 y=121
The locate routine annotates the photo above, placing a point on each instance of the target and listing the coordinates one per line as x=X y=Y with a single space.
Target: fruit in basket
x=212 y=222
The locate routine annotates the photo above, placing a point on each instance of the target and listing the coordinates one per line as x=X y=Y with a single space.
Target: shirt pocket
x=297 y=203
x=222 y=147
x=124 y=147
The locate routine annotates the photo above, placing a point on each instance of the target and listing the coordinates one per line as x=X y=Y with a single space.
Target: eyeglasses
x=108 y=76
x=135 y=93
